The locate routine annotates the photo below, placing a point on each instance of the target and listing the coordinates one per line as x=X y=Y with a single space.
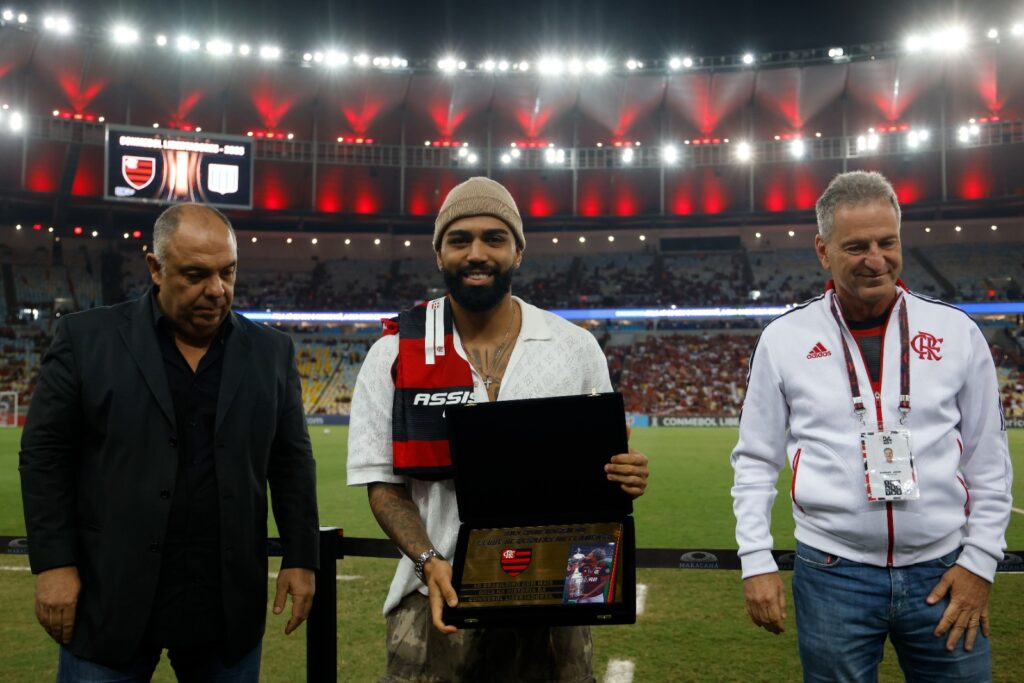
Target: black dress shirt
x=188 y=611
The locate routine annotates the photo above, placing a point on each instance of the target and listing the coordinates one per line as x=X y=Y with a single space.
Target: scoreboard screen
x=170 y=166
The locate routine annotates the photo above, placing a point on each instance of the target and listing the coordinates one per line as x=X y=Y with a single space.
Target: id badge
x=889 y=466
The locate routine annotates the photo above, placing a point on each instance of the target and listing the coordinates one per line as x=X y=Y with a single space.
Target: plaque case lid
x=538 y=459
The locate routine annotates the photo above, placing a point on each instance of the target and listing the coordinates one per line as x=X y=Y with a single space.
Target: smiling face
x=477 y=257
x=197 y=275
x=865 y=256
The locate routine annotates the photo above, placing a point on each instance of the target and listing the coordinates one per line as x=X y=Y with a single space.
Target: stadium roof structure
x=369 y=141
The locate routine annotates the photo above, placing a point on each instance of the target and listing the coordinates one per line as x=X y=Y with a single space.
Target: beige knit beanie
x=479 y=196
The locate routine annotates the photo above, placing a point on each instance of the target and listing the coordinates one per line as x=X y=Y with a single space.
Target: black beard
x=478 y=298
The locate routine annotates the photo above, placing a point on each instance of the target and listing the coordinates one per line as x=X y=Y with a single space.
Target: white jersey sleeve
x=758 y=457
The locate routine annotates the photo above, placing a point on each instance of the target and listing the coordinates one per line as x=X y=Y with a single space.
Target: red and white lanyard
x=851 y=370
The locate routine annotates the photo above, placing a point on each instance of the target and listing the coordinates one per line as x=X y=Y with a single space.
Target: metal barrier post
x=322 y=625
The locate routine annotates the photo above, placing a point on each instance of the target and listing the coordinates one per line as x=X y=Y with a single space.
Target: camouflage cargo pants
x=418 y=653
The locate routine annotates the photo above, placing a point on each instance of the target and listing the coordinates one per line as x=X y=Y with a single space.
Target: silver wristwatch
x=422 y=560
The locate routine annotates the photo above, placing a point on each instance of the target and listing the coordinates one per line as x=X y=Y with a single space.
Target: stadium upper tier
x=385 y=144
x=972 y=264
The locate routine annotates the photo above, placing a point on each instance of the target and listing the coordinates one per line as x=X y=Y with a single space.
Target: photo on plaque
x=571 y=564
x=589 y=574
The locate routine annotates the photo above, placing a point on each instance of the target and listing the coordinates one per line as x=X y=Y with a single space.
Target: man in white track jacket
x=886 y=405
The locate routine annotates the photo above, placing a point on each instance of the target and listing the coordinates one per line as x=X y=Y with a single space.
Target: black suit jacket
x=99 y=461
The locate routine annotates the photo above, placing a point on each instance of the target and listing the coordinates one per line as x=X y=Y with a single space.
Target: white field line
x=641 y=598
x=1018 y=511
x=8 y=568
x=341 y=577
x=619 y=671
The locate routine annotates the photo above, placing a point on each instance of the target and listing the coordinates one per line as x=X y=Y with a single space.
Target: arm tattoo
x=399 y=517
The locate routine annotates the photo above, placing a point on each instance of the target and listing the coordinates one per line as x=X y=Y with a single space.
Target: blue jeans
x=845 y=610
x=206 y=669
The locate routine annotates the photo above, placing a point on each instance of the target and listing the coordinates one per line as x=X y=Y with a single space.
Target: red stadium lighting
x=137 y=234
x=37 y=226
x=78 y=230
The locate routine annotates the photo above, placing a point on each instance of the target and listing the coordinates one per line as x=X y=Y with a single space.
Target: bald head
x=171 y=219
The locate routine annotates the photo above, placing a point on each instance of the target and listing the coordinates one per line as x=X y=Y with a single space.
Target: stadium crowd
x=682 y=367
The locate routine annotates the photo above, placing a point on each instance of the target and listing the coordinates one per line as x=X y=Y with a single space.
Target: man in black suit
x=154 y=431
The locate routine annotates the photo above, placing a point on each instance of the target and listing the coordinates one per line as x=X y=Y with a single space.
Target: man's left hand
x=967 y=609
x=630 y=470
x=301 y=584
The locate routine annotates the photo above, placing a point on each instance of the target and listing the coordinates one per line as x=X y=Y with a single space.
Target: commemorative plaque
x=545 y=537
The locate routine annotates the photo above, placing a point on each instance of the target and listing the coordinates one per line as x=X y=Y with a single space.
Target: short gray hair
x=855 y=187
x=167 y=224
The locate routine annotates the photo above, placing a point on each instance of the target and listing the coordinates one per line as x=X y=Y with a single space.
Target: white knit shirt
x=552 y=357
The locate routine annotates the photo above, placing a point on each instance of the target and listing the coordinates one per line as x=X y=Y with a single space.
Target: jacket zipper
x=878 y=415
x=792 y=486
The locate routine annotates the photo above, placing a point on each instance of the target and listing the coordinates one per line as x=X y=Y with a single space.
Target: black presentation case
x=540 y=463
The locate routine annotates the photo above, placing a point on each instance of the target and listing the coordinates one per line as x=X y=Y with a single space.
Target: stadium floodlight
x=314 y=241
x=797 y=148
x=307 y=57
x=376 y=241
x=333 y=58
x=506 y=158
x=489 y=65
x=914 y=43
x=318 y=57
x=748 y=58
x=407 y=243
x=627 y=156
x=583 y=240
x=970 y=131
x=575 y=66
x=688 y=62
x=16 y=122
x=218 y=47
x=270 y=52
x=836 y=52
x=503 y=65
x=951 y=39
x=597 y=65
x=675 y=63
x=523 y=66
x=611 y=238
x=124 y=34
x=361 y=59
x=643 y=238
x=8 y=15
x=161 y=40
x=550 y=66
x=22 y=18
x=995 y=227
x=744 y=152
x=58 y=24
x=515 y=153
x=670 y=154
x=554 y=156
x=448 y=64
x=993 y=34
x=463 y=152
x=184 y=43
x=916 y=137
x=958 y=228
x=869 y=142
x=244 y=50
x=472 y=158
x=634 y=64
x=1017 y=29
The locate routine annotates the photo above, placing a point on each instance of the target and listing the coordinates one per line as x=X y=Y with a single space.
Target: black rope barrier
x=322 y=625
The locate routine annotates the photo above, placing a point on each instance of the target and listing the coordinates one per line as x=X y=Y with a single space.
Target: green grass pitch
x=694 y=628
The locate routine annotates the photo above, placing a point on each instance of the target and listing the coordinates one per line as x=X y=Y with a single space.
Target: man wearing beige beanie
x=479 y=343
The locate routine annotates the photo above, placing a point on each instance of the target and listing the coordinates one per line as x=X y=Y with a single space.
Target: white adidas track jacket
x=799 y=406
